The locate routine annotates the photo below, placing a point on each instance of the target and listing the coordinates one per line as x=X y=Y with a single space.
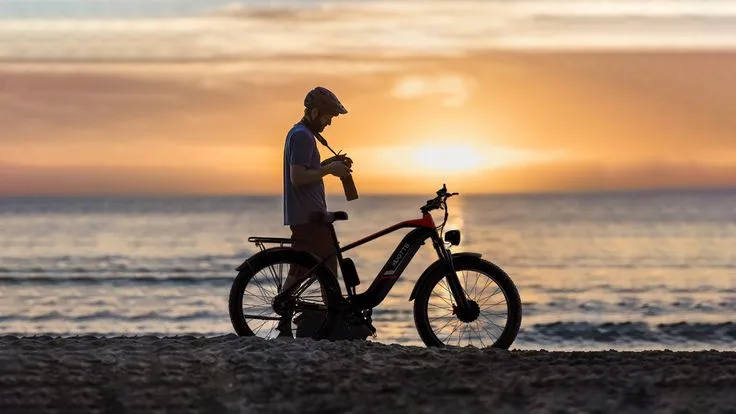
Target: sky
x=196 y=96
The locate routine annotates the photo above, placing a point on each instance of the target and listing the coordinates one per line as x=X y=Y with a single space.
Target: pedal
x=360 y=320
x=374 y=332
x=368 y=320
x=368 y=316
x=367 y=326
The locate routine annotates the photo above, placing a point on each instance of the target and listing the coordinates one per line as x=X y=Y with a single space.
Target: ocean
x=620 y=270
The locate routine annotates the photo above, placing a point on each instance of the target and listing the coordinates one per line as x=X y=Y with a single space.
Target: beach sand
x=228 y=374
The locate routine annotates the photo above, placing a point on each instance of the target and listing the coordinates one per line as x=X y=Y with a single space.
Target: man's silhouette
x=304 y=190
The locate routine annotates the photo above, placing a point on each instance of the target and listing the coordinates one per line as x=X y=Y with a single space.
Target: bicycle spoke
x=465 y=279
x=258 y=303
x=281 y=279
x=495 y=292
x=439 y=307
x=491 y=335
x=476 y=282
x=259 y=327
x=491 y=297
x=273 y=273
x=488 y=282
x=480 y=338
x=261 y=313
x=447 y=288
x=493 y=304
x=262 y=317
x=270 y=331
x=445 y=325
x=440 y=317
x=499 y=314
x=443 y=299
x=258 y=294
x=493 y=323
x=453 y=331
x=494 y=329
x=261 y=289
x=443 y=284
x=469 y=292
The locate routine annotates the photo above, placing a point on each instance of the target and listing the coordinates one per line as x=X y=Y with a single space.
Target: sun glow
x=441 y=160
x=448 y=159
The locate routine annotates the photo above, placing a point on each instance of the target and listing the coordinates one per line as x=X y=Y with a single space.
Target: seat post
x=335 y=243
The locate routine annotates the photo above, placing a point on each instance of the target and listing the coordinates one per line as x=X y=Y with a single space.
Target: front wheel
x=496 y=315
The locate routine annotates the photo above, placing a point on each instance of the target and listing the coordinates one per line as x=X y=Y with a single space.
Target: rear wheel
x=495 y=315
x=260 y=280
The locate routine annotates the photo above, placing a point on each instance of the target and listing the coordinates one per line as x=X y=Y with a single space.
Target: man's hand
x=347 y=160
x=338 y=169
x=342 y=157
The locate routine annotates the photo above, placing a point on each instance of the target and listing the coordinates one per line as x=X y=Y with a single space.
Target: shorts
x=315 y=238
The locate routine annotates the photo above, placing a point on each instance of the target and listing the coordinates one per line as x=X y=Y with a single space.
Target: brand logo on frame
x=398 y=259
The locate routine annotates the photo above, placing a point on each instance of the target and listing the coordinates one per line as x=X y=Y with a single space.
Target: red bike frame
x=424 y=229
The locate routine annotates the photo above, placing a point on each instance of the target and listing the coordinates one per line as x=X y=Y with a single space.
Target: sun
x=448 y=158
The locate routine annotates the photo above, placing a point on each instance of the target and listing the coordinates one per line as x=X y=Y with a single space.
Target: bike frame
x=424 y=229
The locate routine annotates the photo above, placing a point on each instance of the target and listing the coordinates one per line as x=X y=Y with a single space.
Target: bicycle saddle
x=327 y=216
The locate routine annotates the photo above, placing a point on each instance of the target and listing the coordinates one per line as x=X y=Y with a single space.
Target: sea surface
x=625 y=271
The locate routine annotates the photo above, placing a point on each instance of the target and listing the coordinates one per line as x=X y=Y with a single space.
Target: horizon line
x=373 y=194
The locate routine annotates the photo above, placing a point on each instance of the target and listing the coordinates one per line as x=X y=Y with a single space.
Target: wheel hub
x=467 y=315
x=282 y=304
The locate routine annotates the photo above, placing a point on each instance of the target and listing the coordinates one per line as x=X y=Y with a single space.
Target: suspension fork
x=458 y=293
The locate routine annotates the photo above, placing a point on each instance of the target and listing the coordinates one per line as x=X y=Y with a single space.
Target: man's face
x=324 y=121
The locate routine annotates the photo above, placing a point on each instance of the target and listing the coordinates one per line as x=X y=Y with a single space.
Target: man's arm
x=301 y=175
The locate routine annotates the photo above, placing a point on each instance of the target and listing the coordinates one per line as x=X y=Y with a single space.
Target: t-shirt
x=299 y=201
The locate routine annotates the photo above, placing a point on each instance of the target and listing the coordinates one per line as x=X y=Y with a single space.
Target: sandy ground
x=246 y=375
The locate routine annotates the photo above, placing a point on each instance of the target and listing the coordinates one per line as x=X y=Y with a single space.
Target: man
x=304 y=190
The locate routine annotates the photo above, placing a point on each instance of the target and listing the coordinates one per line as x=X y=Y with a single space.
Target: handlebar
x=439 y=202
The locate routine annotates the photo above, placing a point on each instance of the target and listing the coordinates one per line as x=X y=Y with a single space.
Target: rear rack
x=277 y=240
x=260 y=241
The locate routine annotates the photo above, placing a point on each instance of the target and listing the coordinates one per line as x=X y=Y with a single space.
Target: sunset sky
x=196 y=96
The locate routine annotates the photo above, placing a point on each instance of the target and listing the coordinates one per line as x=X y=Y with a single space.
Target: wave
x=144 y=335
x=116 y=280
x=572 y=264
x=108 y=315
x=619 y=289
x=34 y=270
x=120 y=262
x=628 y=332
x=630 y=306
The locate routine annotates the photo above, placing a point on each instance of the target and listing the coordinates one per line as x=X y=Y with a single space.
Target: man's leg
x=315 y=238
x=323 y=245
x=295 y=275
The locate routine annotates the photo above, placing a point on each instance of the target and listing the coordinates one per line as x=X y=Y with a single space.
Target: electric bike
x=460 y=299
